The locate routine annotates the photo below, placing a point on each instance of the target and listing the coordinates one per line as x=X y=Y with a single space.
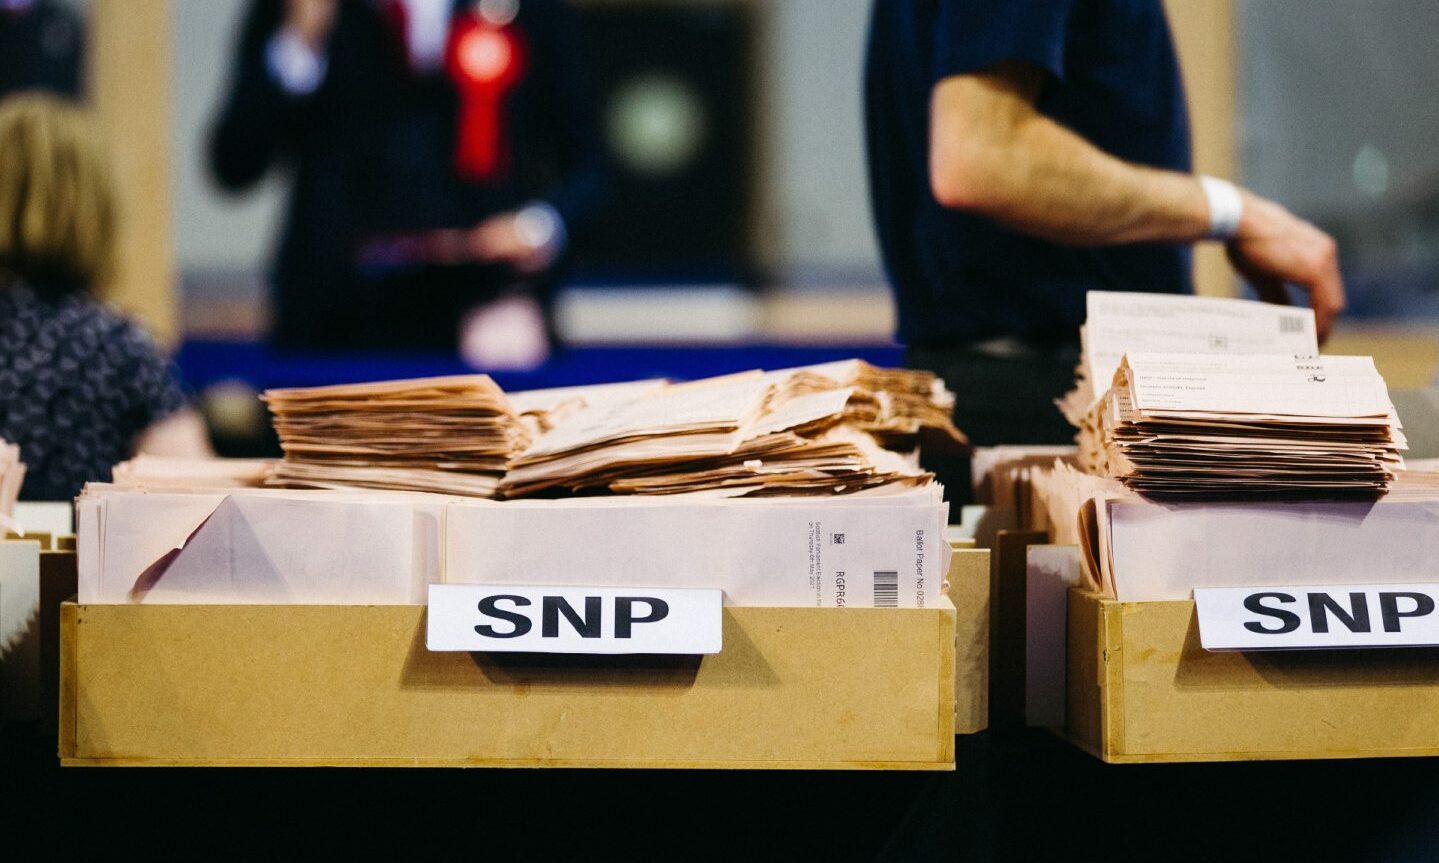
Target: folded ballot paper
x=542 y=410
x=1267 y=425
x=1117 y=323
x=834 y=428
x=160 y=472
x=829 y=429
x=1137 y=549
x=880 y=548
x=257 y=546
x=447 y=434
x=883 y=549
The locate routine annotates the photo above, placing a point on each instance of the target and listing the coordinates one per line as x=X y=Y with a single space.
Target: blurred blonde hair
x=57 y=200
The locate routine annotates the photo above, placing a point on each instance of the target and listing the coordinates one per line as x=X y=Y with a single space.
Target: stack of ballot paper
x=542 y=410
x=1117 y=323
x=829 y=429
x=360 y=546
x=1139 y=550
x=447 y=434
x=156 y=472
x=1062 y=493
x=835 y=428
x=1003 y=480
x=1189 y=425
x=256 y=546
x=12 y=476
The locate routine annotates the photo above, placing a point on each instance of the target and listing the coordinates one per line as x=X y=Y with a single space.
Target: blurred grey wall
x=1339 y=123
x=818 y=202
x=213 y=231
x=1338 y=100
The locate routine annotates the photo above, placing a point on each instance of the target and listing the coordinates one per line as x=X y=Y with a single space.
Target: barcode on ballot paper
x=1291 y=323
x=886 y=590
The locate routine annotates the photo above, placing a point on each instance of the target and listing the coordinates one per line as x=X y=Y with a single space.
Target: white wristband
x=295 y=66
x=1225 y=207
x=540 y=225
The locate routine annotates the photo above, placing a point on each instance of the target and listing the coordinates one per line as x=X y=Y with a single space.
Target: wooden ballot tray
x=1140 y=688
x=810 y=688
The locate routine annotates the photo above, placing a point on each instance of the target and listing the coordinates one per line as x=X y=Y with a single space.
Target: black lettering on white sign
x=519 y=624
x=1289 y=621
x=1379 y=615
x=552 y=608
x=563 y=619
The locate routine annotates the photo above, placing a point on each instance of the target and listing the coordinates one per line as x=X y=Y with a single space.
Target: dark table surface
x=1016 y=796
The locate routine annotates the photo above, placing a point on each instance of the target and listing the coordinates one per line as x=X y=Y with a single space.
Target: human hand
x=508 y=333
x=528 y=239
x=1274 y=247
x=311 y=21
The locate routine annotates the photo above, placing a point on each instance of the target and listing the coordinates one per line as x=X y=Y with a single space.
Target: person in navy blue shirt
x=1024 y=152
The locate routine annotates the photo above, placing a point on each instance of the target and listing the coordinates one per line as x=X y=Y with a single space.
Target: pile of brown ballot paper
x=828 y=429
x=1188 y=425
x=447 y=434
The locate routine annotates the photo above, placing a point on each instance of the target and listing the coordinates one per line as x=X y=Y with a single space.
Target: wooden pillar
x=129 y=85
x=1205 y=36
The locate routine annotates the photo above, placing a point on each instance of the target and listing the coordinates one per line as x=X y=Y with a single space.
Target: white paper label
x=613 y=620
x=1296 y=618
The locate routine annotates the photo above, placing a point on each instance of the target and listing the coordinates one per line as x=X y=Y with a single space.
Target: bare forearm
x=1056 y=186
x=991 y=153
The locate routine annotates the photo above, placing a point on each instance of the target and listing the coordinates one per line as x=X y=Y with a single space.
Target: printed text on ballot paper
x=1318 y=616
x=606 y=620
x=843 y=572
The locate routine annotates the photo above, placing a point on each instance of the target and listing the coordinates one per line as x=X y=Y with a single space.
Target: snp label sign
x=1370 y=615
x=507 y=618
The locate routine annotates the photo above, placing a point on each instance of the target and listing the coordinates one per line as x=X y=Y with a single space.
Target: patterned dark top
x=78 y=384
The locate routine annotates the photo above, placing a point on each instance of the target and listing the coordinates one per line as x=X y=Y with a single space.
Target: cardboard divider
x=58 y=579
x=46 y=540
x=1139 y=687
x=1007 y=621
x=1143 y=689
x=969 y=592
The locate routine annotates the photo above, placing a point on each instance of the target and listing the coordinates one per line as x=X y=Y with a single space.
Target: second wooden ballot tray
x=1142 y=689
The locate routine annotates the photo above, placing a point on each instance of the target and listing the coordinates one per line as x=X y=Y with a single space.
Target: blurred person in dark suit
x=81 y=388
x=442 y=153
x=42 y=47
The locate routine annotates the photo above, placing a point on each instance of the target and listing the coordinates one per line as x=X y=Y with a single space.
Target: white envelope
x=1163 y=551
x=257 y=549
x=823 y=552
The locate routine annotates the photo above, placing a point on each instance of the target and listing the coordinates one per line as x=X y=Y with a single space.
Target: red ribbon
x=485 y=62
